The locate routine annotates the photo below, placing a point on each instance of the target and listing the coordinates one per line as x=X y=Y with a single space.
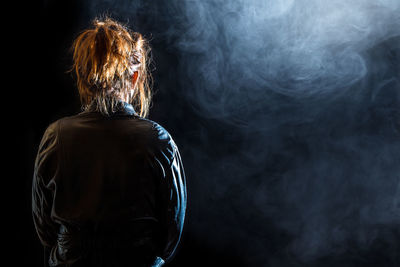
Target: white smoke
x=278 y=153
x=238 y=49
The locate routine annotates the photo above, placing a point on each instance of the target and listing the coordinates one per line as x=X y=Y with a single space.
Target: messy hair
x=105 y=58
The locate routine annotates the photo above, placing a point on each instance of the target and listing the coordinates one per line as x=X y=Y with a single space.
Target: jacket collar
x=126 y=108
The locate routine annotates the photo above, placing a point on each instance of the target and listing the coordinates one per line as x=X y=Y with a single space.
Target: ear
x=135 y=76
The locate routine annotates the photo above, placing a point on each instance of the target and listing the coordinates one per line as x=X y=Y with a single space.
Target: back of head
x=111 y=64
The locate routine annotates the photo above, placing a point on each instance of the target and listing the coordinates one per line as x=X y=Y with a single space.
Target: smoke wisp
x=294 y=159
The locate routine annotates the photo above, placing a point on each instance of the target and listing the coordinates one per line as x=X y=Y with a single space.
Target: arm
x=42 y=195
x=172 y=190
x=174 y=195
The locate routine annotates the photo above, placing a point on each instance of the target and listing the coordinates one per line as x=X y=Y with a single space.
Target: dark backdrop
x=286 y=114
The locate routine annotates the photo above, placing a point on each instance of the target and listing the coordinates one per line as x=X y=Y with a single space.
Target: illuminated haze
x=291 y=145
x=298 y=48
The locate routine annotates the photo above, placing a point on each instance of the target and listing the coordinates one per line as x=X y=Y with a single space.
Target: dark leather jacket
x=108 y=191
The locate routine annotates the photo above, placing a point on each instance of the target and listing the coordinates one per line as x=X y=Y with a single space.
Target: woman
x=109 y=187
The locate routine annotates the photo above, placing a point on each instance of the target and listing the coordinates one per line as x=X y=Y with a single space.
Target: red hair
x=105 y=59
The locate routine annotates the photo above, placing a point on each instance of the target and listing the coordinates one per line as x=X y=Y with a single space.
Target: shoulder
x=159 y=132
x=162 y=139
x=49 y=141
x=68 y=124
x=56 y=127
x=51 y=132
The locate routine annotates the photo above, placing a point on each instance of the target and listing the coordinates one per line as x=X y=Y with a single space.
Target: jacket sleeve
x=42 y=196
x=173 y=199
